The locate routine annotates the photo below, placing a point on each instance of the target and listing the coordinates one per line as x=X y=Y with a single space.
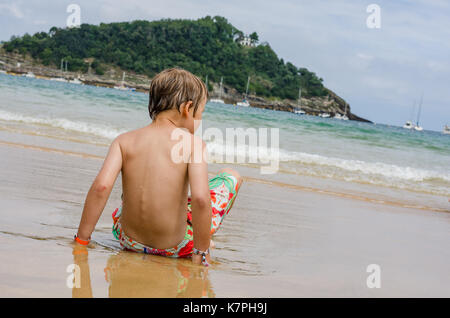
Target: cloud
x=364 y=56
x=12 y=9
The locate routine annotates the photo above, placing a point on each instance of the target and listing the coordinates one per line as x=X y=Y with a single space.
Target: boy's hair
x=173 y=87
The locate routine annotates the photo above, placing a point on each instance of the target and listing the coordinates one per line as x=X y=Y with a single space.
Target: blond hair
x=173 y=87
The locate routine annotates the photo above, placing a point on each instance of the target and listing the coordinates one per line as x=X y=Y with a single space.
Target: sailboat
x=122 y=86
x=219 y=100
x=417 y=127
x=409 y=124
x=446 y=130
x=244 y=102
x=342 y=117
x=299 y=110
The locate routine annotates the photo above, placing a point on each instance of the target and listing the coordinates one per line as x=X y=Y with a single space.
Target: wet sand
x=281 y=239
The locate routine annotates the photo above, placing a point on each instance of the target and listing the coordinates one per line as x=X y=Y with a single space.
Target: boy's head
x=173 y=88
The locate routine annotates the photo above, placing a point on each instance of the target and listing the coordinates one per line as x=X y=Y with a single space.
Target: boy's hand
x=197 y=259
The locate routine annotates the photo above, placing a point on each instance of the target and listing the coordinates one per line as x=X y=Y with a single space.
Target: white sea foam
x=319 y=162
x=63 y=123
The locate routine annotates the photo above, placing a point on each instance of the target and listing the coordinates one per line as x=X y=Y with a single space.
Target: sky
x=381 y=72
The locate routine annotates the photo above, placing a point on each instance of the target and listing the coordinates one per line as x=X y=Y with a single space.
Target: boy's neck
x=163 y=119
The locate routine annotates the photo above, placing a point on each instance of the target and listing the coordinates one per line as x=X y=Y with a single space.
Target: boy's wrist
x=204 y=256
x=81 y=240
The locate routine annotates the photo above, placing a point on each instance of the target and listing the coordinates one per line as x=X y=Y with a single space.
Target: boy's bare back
x=155 y=188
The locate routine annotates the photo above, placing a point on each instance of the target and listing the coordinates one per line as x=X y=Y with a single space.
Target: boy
x=156 y=215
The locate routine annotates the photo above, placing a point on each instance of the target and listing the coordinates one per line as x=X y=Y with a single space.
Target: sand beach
x=280 y=240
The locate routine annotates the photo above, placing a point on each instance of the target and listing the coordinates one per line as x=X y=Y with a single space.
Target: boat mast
x=221 y=82
x=246 y=91
x=299 y=101
x=413 y=111
x=420 y=108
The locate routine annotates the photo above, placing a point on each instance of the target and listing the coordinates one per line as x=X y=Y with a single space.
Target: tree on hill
x=206 y=46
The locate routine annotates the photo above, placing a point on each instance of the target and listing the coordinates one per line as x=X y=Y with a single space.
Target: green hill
x=207 y=46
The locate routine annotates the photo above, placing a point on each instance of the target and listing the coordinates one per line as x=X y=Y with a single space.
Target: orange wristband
x=78 y=240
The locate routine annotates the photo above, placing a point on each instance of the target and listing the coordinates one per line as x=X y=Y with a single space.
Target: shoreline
x=250 y=178
x=314 y=106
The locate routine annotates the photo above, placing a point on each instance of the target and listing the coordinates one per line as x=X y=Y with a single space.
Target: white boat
x=324 y=115
x=408 y=125
x=219 y=100
x=299 y=110
x=245 y=102
x=342 y=117
x=58 y=79
x=75 y=81
x=446 y=130
x=417 y=126
x=122 y=86
x=30 y=75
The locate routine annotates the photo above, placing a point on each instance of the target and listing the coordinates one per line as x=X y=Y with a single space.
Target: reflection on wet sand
x=139 y=275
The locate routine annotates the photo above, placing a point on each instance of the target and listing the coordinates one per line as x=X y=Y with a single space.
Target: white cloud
x=12 y=9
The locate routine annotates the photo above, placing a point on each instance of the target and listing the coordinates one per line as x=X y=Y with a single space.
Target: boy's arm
x=100 y=190
x=200 y=199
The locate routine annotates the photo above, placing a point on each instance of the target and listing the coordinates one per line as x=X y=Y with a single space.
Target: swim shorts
x=223 y=188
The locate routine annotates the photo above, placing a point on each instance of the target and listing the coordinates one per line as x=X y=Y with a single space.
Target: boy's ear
x=184 y=108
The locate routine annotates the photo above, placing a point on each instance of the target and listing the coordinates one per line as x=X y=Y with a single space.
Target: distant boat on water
x=30 y=75
x=299 y=110
x=122 y=86
x=417 y=127
x=245 y=102
x=76 y=81
x=408 y=125
x=342 y=117
x=58 y=79
x=219 y=100
x=446 y=130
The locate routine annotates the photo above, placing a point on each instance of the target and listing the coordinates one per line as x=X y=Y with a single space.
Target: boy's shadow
x=139 y=275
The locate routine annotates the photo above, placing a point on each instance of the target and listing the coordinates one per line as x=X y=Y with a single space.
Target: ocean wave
x=323 y=163
x=374 y=168
x=318 y=164
x=63 y=123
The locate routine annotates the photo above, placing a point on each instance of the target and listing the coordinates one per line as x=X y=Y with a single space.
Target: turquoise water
x=329 y=148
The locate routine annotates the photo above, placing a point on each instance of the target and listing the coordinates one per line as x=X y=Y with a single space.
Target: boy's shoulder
x=127 y=137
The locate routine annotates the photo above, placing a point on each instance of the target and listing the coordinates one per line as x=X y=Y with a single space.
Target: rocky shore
x=331 y=104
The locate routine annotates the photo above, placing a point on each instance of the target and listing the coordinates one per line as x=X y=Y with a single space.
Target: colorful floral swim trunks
x=223 y=188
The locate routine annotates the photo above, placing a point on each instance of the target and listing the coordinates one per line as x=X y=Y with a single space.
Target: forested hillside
x=207 y=46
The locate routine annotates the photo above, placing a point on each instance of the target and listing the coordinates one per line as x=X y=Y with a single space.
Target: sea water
x=350 y=151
